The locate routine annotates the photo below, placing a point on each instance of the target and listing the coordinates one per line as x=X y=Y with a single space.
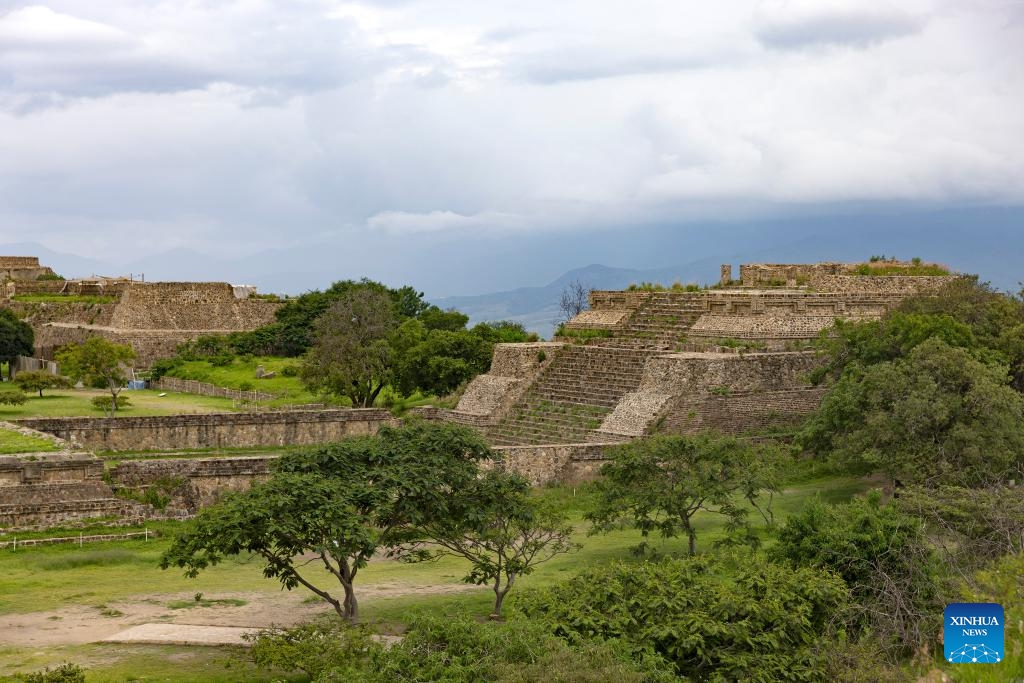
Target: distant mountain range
x=456 y=270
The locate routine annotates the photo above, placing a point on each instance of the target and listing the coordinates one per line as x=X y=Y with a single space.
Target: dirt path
x=81 y=624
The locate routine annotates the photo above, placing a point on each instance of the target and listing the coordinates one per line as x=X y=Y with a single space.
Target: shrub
x=290 y=371
x=883 y=556
x=12 y=397
x=65 y=673
x=727 y=617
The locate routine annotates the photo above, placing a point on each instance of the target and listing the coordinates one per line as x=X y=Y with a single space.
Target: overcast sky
x=240 y=126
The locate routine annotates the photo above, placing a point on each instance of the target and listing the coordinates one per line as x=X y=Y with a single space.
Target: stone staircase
x=660 y=324
x=571 y=398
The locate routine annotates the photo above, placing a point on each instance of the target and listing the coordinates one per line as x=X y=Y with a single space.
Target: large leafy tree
x=883 y=556
x=98 y=361
x=351 y=355
x=16 y=337
x=939 y=415
x=340 y=503
x=659 y=484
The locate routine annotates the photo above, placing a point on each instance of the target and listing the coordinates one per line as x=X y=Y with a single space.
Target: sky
x=129 y=128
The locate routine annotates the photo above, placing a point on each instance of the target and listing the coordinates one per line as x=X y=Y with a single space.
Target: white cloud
x=200 y=122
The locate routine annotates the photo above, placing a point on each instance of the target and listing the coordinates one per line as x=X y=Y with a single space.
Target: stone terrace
x=571 y=397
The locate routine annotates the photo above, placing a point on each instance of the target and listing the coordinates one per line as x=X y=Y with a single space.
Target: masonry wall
x=741 y=412
x=190 y=306
x=217 y=430
x=682 y=373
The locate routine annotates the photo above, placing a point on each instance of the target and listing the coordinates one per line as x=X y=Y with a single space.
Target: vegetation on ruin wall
x=16 y=442
x=64 y=299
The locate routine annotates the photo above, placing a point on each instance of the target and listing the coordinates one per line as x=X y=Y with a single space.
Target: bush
x=65 y=673
x=12 y=397
x=290 y=371
x=106 y=403
x=727 y=617
x=883 y=556
x=456 y=649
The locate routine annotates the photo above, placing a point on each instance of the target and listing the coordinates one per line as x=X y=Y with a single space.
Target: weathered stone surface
x=634 y=413
x=485 y=394
x=213 y=430
x=521 y=360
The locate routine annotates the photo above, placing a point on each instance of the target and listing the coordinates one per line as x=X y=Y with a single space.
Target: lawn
x=49 y=578
x=240 y=373
x=16 y=442
x=77 y=403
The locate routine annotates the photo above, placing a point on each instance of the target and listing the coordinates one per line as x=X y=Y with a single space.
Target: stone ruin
x=735 y=358
x=152 y=317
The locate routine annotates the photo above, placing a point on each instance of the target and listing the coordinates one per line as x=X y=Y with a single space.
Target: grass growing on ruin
x=78 y=403
x=16 y=442
x=64 y=299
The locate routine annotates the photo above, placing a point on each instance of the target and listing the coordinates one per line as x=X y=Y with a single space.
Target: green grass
x=51 y=577
x=204 y=602
x=77 y=403
x=241 y=374
x=117 y=663
x=16 y=442
x=64 y=299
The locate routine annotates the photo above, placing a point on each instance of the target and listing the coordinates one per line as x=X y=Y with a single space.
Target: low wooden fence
x=80 y=539
x=191 y=386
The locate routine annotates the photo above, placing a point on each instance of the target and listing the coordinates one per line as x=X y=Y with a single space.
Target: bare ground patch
x=88 y=624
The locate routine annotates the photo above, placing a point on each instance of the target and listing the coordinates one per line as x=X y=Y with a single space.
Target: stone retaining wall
x=742 y=412
x=213 y=430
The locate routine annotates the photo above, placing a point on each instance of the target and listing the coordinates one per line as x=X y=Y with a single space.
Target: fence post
x=147 y=533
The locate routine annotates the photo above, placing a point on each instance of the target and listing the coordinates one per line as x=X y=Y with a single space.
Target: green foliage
x=891 y=268
x=496 y=525
x=98 y=361
x=436 y=361
x=42 y=277
x=16 y=336
x=505 y=332
x=65 y=673
x=972 y=527
x=936 y=416
x=455 y=648
x=351 y=355
x=341 y=502
x=16 y=442
x=38 y=380
x=110 y=404
x=861 y=344
x=718 y=618
x=659 y=484
x=90 y=299
x=582 y=333
x=882 y=554
x=12 y=397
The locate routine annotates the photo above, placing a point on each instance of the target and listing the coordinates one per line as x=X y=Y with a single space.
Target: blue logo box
x=973 y=633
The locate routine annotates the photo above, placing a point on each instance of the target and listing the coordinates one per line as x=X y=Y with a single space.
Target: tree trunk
x=351 y=605
x=693 y=541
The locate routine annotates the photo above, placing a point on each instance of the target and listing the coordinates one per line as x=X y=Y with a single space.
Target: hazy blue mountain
x=458 y=269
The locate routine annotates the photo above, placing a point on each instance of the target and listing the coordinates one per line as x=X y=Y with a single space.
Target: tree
x=883 y=556
x=575 y=299
x=351 y=355
x=437 y=361
x=494 y=524
x=37 y=380
x=16 y=337
x=339 y=502
x=938 y=416
x=98 y=361
x=659 y=484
